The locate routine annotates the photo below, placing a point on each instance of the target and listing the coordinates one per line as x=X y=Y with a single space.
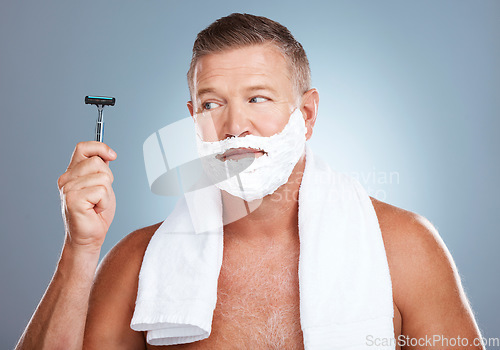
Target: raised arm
x=88 y=204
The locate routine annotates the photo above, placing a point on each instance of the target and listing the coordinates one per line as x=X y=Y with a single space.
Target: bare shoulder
x=112 y=299
x=426 y=283
x=405 y=231
x=130 y=249
x=415 y=251
x=124 y=260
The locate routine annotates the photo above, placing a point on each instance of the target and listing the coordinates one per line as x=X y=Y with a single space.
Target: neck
x=271 y=217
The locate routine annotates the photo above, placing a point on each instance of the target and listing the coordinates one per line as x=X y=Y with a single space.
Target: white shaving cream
x=253 y=178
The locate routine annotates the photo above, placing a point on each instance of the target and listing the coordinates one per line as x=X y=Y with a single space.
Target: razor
x=100 y=102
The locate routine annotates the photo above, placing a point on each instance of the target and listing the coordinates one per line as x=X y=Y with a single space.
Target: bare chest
x=257 y=303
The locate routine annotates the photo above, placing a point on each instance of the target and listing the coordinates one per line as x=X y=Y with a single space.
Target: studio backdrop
x=409 y=104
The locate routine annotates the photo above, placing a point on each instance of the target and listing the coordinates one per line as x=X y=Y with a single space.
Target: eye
x=258 y=99
x=210 y=105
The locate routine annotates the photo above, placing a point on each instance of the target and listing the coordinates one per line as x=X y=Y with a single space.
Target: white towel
x=344 y=281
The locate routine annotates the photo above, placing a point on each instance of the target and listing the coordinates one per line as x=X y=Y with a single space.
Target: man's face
x=243 y=91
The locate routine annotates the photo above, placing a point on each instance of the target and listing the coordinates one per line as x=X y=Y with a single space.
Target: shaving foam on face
x=253 y=178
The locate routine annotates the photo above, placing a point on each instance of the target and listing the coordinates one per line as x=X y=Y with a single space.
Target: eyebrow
x=204 y=91
x=209 y=90
x=261 y=87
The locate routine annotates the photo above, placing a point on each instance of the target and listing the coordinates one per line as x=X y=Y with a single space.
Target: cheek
x=207 y=127
x=270 y=125
x=270 y=120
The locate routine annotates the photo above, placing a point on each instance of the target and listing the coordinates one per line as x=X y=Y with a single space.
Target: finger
x=88 y=149
x=91 y=165
x=89 y=180
x=96 y=198
x=86 y=167
x=100 y=196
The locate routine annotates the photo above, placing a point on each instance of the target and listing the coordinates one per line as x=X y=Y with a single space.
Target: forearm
x=59 y=320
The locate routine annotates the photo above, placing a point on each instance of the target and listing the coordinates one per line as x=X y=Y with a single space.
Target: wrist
x=75 y=248
x=78 y=262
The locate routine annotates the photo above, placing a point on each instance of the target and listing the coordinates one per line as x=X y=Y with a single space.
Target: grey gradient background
x=406 y=86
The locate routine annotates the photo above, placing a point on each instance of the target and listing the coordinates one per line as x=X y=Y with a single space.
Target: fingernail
x=112 y=153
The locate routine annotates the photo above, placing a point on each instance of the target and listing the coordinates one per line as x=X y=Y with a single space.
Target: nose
x=236 y=122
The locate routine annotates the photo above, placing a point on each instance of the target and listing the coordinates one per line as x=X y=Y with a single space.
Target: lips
x=238 y=153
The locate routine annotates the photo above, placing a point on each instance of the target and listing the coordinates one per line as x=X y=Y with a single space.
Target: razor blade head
x=100 y=100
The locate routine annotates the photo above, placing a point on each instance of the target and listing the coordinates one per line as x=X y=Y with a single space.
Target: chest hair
x=258 y=298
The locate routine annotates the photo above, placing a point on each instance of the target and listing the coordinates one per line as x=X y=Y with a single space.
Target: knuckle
x=69 y=196
x=60 y=181
x=103 y=178
x=92 y=164
x=102 y=190
x=96 y=160
x=110 y=176
x=66 y=189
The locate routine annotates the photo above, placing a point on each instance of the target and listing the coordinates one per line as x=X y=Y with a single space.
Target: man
x=250 y=74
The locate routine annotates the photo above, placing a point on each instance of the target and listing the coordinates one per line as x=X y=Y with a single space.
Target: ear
x=191 y=108
x=309 y=109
